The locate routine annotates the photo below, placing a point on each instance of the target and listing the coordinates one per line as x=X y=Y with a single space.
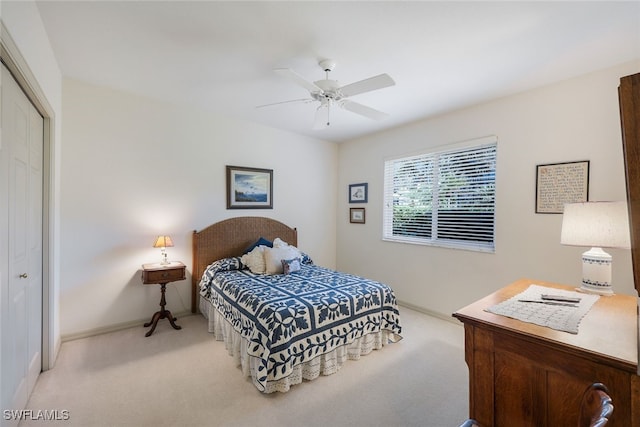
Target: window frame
x=481 y=244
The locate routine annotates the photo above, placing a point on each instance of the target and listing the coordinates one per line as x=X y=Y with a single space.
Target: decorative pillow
x=279 y=243
x=255 y=260
x=260 y=242
x=273 y=258
x=306 y=259
x=290 y=265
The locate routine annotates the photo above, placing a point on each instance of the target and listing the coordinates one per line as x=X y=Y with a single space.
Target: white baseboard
x=430 y=312
x=113 y=328
x=139 y=322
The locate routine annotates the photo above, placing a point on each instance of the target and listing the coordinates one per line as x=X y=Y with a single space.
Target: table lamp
x=598 y=225
x=163 y=242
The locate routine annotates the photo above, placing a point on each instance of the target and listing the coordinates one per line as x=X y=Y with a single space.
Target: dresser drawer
x=163 y=275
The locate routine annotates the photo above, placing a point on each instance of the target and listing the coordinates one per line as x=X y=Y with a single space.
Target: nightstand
x=158 y=274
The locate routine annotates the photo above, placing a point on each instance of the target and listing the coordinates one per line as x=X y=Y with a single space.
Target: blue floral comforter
x=290 y=319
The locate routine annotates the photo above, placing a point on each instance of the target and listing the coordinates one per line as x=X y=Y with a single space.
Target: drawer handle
x=165 y=274
x=23 y=276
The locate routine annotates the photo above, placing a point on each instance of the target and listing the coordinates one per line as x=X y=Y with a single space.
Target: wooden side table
x=156 y=273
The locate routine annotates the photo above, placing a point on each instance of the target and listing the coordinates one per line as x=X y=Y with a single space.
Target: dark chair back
x=596 y=407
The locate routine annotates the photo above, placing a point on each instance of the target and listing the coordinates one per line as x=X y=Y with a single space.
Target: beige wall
x=114 y=199
x=134 y=168
x=577 y=119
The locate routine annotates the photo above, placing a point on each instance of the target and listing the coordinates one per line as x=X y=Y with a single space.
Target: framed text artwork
x=249 y=188
x=358 y=193
x=356 y=215
x=560 y=183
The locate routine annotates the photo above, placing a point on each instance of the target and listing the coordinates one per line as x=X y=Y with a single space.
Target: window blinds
x=444 y=198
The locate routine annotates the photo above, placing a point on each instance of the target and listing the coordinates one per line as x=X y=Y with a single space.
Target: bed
x=285 y=328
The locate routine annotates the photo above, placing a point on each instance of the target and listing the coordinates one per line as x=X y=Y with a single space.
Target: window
x=443 y=198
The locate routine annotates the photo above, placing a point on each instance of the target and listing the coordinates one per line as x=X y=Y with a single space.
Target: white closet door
x=21 y=150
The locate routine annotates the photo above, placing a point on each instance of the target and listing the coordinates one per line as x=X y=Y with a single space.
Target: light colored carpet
x=186 y=378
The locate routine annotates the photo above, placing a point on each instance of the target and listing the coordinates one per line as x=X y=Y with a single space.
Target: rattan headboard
x=230 y=238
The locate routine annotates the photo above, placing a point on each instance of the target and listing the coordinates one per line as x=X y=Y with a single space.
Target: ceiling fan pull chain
x=328 y=109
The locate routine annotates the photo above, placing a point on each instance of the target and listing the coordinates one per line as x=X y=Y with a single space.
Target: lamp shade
x=163 y=242
x=596 y=224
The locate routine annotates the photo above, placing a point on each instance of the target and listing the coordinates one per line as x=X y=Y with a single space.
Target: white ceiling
x=442 y=55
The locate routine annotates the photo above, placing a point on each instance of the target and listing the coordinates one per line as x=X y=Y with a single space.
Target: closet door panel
x=21 y=191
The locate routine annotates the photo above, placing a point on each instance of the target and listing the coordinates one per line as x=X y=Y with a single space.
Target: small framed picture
x=356 y=215
x=249 y=188
x=358 y=193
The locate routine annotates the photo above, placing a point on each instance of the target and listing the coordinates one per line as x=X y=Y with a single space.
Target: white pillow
x=279 y=243
x=273 y=258
x=255 y=260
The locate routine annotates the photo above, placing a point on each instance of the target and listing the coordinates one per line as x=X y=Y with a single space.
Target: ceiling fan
x=329 y=93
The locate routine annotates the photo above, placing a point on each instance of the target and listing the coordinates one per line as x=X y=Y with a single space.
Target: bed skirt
x=325 y=364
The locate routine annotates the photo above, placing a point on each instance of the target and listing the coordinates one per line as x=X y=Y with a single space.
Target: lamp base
x=590 y=290
x=596 y=272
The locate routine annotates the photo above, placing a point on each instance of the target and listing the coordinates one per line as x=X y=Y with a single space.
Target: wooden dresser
x=521 y=374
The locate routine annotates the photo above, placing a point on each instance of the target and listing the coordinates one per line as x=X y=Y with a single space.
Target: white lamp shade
x=596 y=224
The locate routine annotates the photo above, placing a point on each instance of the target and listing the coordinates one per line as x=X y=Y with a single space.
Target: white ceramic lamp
x=597 y=225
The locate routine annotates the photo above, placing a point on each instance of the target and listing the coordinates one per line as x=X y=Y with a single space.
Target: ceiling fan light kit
x=329 y=93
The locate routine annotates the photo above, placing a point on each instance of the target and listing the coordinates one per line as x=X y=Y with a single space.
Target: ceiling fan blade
x=366 y=85
x=285 y=102
x=297 y=78
x=363 y=110
x=321 y=120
